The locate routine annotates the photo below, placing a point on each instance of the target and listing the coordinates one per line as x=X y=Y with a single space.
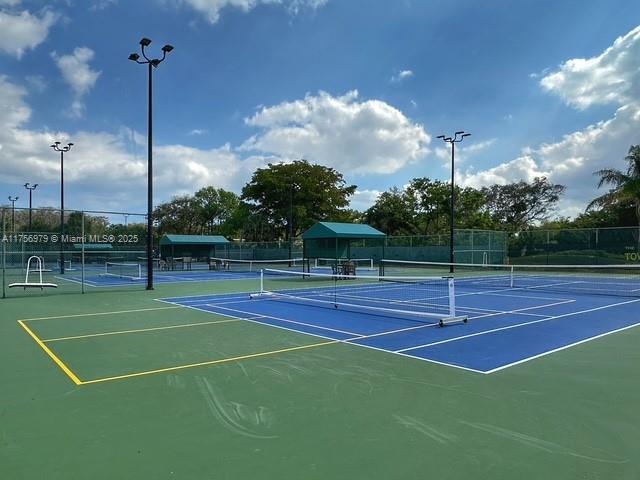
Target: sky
x=546 y=88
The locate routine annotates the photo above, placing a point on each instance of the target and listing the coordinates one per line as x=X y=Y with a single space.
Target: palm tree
x=625 y=186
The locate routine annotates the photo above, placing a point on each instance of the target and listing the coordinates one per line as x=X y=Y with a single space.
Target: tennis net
x=617 y=280
x=237 y=265
x=422 y=299
x=131 y=271
x=366 y=263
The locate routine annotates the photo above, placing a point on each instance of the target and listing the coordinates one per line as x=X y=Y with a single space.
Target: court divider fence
x=79 y=252
x=577 y=246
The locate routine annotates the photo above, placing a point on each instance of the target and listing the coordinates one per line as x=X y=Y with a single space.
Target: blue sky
x=545 y=87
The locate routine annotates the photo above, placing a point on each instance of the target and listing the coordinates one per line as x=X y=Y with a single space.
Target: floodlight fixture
x=134 y=57
x=145 y=42
x=167 y=48
x=31 y=188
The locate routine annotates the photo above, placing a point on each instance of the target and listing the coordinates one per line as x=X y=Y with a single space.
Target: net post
x=511 y=277
x=262 y=280
x=452 y=297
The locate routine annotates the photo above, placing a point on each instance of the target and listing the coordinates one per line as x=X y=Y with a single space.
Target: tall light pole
x=134 y=57
x=457 y=138
x=290 y=220
x=31 y=188
x=13 y=201
x=62 y=149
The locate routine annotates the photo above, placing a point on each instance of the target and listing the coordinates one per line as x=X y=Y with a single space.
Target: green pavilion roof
x=341 y=230
x=193 y=240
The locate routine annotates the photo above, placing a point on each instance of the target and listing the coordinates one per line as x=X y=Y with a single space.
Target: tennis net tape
x=237 y=265
x=616 y=280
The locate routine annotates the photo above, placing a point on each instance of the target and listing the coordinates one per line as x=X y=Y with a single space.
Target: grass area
x=334 y=411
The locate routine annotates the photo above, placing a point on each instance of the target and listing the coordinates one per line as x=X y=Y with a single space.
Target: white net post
x=511 y=280
x=452 y=298
x=261 y=281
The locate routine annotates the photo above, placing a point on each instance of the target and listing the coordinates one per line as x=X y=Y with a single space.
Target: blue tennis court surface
x=506 y=327
x=96 y=278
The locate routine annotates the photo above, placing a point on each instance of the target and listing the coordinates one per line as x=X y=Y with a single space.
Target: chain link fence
x=471 y=246
x=587 y=246
x=45 y=251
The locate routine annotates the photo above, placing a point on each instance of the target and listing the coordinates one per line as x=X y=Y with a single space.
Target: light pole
x=13 y=201
x=134 y=57
x=290 y=222
x=31 y=188
x=457 y=138
x=62 y=149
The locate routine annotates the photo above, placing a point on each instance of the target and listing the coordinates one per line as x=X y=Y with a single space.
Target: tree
x=308 y=193
x=517 y=206
x=431 y=200
x=625 y=191
x=203 y=213
x=176 y=216
x=393 y=213
x=213 y=207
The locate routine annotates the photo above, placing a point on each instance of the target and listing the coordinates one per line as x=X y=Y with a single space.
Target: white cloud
x=106 y=171
x=23 y=31
x=198 y=131
x=400 y=76
x=571 y=161
x=212 y=9
x=363 y=199
x=612 y=77
x=355 y=137
x=78 y=74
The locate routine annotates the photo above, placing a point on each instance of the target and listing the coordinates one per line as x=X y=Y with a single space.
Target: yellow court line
x=95 y=314
x=53 y=356
x=138 y=330
x=210 y=362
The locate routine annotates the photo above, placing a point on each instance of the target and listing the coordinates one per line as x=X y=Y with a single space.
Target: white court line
x=289 y=321
x=518 y=325
x=548 y=352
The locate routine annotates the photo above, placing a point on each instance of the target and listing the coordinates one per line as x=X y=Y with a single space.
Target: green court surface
x=148 y=390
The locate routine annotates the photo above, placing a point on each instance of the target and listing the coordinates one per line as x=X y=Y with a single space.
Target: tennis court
x=317 y=364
